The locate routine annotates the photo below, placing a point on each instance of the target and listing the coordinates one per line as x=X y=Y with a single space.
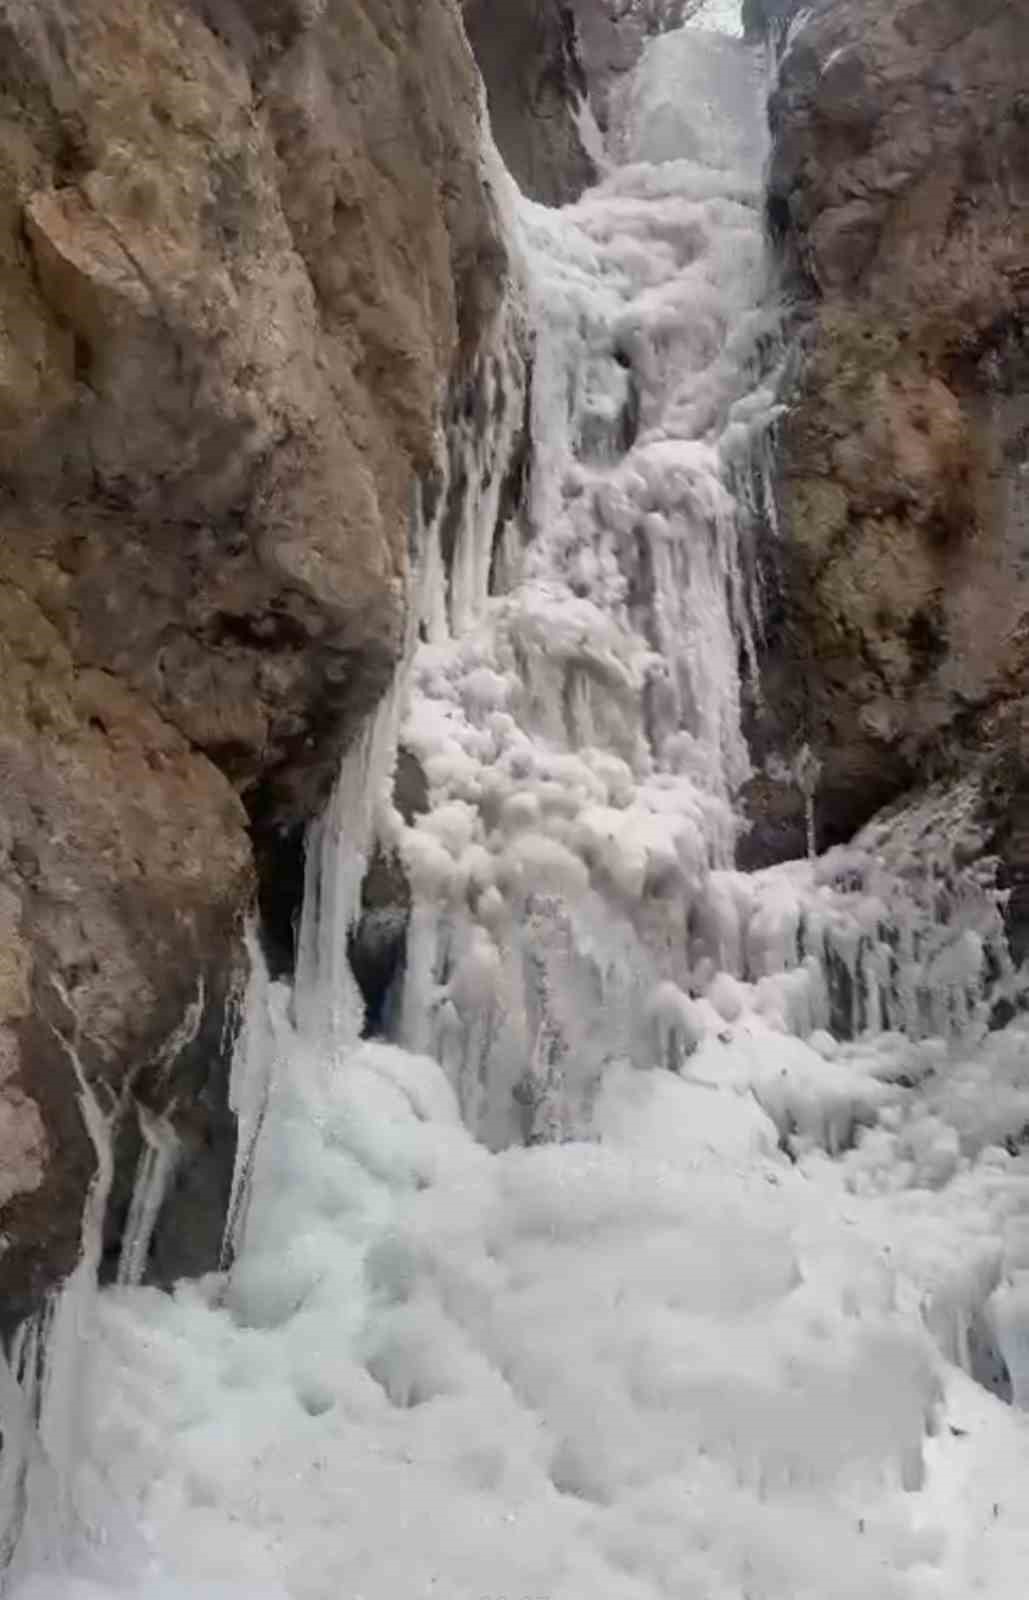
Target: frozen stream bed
x=672 y=1241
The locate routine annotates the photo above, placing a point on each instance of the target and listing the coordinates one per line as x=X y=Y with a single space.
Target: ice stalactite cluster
x=578 y=722
x=671 y=1241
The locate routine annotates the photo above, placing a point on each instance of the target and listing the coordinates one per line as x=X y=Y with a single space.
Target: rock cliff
x=528 y=54
x=898 y=618
x=245 y=248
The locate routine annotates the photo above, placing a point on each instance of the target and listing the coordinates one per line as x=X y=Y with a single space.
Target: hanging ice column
x=576 y=709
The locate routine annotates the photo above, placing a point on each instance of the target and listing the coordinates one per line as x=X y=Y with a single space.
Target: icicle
x=327 y=1001
x=154 y=1172
x=53 y=1450
x=257 y=1048
x=21 y=1378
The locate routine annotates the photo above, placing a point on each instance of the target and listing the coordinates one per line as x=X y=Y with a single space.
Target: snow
x=664 y=1361
x=676 y=1242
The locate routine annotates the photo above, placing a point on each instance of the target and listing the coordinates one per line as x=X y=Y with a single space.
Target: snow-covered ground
x=667 y=1362
x=677 y=1246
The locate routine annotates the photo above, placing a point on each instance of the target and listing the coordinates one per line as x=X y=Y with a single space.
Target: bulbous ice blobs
x=614 y=774
x=534 y=862
x=664 y=877
x=727 y=997
x=450 y=1032
x=691 y=850
x=771 y=935
x=613 y=842
x=431 y=869
x=584 y=572
x=411 y=1356
x=702 y=975
x=721 y=916
x=478 y=974
x=793 y=1001
x=935 y=1149
x=614 y=509
x=484 y=690
x=574 y=481
x=268 y=1288
x=657 y=527
x=519 y=811
x=492 y=909
x=453 y=824
x=959 y=965
x=558 y=803
x=663 y=707
x=577 y=773
x=450 y=769
x=476 y=871
x=392 y=1268
x=827 y=1047
x=677 y=1025
x=680 y=472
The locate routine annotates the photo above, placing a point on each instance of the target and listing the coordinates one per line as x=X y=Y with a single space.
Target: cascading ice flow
x=670 y=1239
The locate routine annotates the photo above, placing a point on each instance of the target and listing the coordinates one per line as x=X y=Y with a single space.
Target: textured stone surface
x=527 y=52
x=899 y=194
x=245 y=246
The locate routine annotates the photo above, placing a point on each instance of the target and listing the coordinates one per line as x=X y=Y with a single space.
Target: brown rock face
x=244 y=249
x=527 y=52
x=899 y=192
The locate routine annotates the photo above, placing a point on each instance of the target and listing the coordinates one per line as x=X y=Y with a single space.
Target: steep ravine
x=245 y=250
x=647 y=1227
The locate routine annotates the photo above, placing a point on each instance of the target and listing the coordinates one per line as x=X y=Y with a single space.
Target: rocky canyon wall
x=897 y=601
x=529 y=55
x=245 y=249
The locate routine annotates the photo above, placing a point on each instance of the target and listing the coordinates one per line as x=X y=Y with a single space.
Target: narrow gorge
x=514 y=837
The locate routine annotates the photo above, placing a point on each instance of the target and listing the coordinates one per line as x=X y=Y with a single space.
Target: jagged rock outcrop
x=244 y=247
x=899 y=615
x=528 y=54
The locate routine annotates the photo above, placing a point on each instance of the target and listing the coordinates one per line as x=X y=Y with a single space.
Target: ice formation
x=673 y=1240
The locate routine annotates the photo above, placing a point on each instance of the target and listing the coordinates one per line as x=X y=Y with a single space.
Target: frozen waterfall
x=670 y=1237
x=578 y=718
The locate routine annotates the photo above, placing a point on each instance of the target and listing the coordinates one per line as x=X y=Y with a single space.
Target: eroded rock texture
x=899 y=603
x=528 y=54
x=245 y=245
